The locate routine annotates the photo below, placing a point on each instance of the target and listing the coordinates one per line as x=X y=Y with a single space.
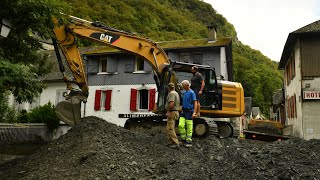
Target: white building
x=300 y=61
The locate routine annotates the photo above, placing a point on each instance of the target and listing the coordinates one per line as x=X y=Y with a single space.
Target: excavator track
x=202 y=127
x=221 y=129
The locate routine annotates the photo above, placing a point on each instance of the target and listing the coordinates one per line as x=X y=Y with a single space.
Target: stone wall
x=29 y=133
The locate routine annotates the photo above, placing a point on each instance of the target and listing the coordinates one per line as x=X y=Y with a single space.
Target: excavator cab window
x=210 y=96
x=212 y=81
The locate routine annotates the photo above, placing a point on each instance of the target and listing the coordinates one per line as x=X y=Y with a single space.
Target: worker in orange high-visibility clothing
x=189 y=110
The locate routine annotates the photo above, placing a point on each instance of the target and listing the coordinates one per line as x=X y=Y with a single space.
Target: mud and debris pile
x=96 y=149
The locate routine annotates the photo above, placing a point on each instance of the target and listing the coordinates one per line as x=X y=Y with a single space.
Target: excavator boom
x=65 y=38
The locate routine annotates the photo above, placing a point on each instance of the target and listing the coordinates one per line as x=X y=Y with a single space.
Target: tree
x=21 y=61
x=258 y=75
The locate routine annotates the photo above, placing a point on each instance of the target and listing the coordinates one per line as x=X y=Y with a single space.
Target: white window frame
x=136 y=71
x=100 y=65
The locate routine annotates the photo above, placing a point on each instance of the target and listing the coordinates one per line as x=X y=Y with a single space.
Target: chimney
x=212 y=33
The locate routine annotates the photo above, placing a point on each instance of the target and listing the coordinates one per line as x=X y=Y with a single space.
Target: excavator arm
x=65 y=38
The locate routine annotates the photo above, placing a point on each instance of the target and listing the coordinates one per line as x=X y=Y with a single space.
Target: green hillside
x=186 y=19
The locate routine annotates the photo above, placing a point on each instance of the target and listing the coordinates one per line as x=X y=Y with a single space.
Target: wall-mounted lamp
x=5 y=28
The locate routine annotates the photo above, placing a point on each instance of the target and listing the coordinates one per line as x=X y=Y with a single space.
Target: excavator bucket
x=69 y=111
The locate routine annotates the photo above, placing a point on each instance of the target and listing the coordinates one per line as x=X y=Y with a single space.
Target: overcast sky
x=265 y=24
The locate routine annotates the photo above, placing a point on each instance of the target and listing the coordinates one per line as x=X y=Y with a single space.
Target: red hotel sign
x=311 y=95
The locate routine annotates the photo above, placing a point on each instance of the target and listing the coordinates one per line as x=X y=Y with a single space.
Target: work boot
x=173 y=146
x=188 y=144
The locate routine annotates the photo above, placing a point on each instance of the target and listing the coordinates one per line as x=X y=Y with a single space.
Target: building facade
x=301 y=65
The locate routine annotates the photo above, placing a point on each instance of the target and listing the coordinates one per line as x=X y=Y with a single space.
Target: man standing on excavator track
x=172 y=105
x=197 y=85
x=189 y=106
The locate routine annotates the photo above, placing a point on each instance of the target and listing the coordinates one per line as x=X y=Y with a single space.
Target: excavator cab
x=211 y=97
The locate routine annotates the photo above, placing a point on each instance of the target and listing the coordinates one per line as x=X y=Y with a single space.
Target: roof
x=166 y=45
x=55 y=74
x=293 y=37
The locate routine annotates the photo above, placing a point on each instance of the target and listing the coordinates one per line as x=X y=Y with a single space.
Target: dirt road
x=96 y=149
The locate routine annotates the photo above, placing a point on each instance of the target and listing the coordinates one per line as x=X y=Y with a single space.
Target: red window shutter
x=292 y=103
x=291 y=107
x=152 y=99
x=107 y=104
x=288 y=108
x=295 y=106
x=133 y=99
x=97 y=104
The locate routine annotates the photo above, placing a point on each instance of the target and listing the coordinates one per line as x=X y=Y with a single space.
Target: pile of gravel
x=96 y=149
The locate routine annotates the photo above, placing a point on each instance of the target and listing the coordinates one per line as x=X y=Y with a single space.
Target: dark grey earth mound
x=96 y=149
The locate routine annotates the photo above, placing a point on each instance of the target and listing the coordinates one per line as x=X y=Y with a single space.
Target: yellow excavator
x=220 y=99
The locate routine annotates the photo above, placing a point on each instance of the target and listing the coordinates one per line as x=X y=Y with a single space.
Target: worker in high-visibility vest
x=189 y=110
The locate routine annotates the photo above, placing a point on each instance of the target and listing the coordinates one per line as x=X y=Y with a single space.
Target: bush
x=7 y=113
x=44 y=114
x=23 y=116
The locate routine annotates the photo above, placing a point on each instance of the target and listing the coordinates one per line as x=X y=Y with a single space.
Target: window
x=102 y=100
x=108 y=64
x=103 y=65
x=291 y=107
x=143 y=99
x=60 y=95
x=185 y=57
x=290 y=69
x=141 y=65
x=197 y=58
